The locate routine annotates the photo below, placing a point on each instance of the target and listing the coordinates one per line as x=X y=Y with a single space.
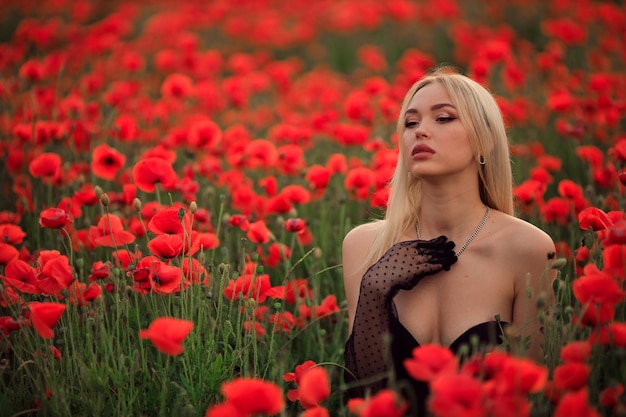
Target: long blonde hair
x=481 y=117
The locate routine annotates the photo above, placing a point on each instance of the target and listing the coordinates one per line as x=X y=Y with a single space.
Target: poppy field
x=177 y=179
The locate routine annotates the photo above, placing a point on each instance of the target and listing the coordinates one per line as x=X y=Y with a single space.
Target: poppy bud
x=105 y=200
x=541 y=300
x=559 y=263
x=228 y=328
x=98 y=191
x=193 y=207
x=137 y=204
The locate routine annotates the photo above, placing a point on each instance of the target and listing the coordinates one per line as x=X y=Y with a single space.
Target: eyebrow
x=432 y=108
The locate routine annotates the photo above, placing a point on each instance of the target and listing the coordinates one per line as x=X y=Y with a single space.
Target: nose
x=421 y=131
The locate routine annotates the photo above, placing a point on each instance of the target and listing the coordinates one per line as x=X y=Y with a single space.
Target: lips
x=422 y=149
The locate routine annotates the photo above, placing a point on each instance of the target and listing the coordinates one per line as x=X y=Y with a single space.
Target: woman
x=449 y=261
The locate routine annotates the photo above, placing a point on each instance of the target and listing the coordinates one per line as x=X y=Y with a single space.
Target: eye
x=410 y=123
x=445 y=119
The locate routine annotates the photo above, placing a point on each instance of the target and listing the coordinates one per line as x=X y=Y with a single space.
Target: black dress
x=476 y=338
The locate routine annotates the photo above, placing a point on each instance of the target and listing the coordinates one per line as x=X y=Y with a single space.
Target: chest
x=475 y=290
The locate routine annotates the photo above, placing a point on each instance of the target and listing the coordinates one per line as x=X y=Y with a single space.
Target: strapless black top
x=403 y=343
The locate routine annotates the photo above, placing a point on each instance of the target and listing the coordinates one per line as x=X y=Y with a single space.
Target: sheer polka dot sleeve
x=401 y=267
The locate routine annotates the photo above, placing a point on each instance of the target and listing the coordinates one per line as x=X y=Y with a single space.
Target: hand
x=406 y=263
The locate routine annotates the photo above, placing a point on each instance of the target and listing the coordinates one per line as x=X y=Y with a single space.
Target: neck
x=454 y=213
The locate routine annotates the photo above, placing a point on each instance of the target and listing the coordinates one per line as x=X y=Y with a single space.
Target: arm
x=356 y=246
x=533 y=293
x=400 y=268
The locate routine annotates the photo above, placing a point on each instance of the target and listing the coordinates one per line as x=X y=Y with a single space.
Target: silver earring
x=481 y=160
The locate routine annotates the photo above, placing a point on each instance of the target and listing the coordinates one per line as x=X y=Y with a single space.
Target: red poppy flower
x=613 y=334
x=610 y=396
x=571 y=376
x=149 y=172
x=296 y=194
x=591 y=154
x=32 y=70
x=194 y=272
x=71 y=207
x=314 y=387
x=46 y=166
x=171 y=220
x=100 y=270
x=178 y=86
x=204 y=134
x=456 y=395
x=294 y=225
x=351 y=134
x=520 y=376
x=291 y=159
x=615 y=235
x=21 y=276
x=8 y=253
x=123 y=258
x=278 y=204
x=11 y=234
x=55 y=276
x=337 y=164
x=166 y=246
x=431 y=361
x=258 y=232
x=296 y=376
x=86 y=195
x=44 y=316
x=567 y=30
x=598 y=293
x=249 y=286
x=593 y=218
x=54 y=218
x=260 y=153
x=269 y=185
x=82 y=294
x=106 y=162
x=317 y=411
x=327 y=307
x=10 y=217
x=268 y=397
x=384 y=403
x=359 y=181
x=294 y=291
x=225 y=410
x=318 y=177
x=7 y=325
x=557 y=210
x=110 y=232
x=202 y=241
x=151 y=274
x=276 y=252
x=576 y=352
x=240 y=221
x=167 y=334
x=575 y=404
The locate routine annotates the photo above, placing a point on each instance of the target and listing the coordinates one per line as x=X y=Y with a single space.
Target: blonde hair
x=481 y=117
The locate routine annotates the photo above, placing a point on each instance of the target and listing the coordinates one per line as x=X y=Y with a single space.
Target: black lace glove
x=400 y=268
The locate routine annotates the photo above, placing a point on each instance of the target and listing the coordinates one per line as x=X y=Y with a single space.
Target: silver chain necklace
x=472 y=236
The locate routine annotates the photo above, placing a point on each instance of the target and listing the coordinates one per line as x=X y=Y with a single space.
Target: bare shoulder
x=525 y=239
x=526 y=248
x=362 y=236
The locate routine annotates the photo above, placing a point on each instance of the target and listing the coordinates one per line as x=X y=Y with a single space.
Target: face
x=434 y=141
